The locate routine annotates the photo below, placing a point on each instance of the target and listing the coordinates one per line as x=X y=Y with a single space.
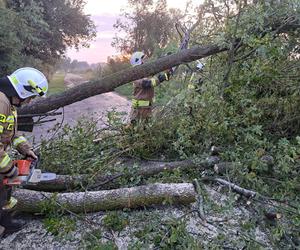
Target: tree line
x=38 y=32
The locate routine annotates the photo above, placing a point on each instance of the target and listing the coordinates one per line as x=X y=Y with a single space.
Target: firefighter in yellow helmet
x=143 y=91
x=15 y=90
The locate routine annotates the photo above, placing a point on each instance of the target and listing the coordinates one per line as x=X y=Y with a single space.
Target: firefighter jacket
x=9 y=137
x=143 y=94
x=143 y=90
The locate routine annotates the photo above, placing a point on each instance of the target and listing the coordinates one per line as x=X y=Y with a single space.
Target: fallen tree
x=146 y=169
x=79 y=202
x=110 y=82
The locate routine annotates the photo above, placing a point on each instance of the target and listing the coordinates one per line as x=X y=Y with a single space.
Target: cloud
x=105 y=13
x=98 y=52
x=96 y=7
x=104 y=22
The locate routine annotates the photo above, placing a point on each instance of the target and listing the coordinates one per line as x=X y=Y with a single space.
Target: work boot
x=2 y=229
x=9 y=224
x=10 y=204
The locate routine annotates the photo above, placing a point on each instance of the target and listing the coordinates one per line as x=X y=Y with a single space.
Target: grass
x=125 y=90
x=56 y=84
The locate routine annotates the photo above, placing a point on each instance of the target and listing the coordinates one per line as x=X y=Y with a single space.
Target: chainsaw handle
x=12 y=181
x=24 y=168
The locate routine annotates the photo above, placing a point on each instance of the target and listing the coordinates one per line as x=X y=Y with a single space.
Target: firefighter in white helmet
x=15 y=90
x=143 y=91
x=196 y=84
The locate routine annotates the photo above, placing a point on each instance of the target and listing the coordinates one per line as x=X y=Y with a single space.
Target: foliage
x=115 y=221
x=10 y=42
x=168 y=235
x=125 y=90
x=55 y=222
x=79 y=141
x=148 y=25
x=37 y=33
x=115 y=64
x=59 y=226
x=93 y=240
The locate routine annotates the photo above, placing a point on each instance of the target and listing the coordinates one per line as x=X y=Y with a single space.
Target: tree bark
x=79 y=202
x=146 y=169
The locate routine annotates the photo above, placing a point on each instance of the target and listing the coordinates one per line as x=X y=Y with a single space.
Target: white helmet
x=29 y=82
x=199 y=66
x=137 y=58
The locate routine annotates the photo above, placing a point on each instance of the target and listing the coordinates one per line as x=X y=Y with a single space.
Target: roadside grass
x=87 y=74
x=125 y=90
x=56 y=84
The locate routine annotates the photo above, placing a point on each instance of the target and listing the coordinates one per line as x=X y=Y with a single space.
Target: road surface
x=96 y=106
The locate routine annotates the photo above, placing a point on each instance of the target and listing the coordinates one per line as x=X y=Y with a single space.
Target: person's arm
x=23 y=146
x=152 y=82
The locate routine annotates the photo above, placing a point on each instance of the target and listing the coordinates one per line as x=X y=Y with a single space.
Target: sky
x=105 y=13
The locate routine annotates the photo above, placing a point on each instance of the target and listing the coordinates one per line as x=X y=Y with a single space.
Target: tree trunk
x=79 y=202
x=147 y=169
x=110 y=82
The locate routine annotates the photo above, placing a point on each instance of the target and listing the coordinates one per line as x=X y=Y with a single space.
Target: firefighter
x=196 y=84
x=143 y=91
x=17 y=89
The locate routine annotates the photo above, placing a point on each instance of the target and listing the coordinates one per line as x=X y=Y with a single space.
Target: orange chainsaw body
x=23 y=170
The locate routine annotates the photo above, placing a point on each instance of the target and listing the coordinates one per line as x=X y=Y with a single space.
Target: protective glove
x=15 y=173
x=170 y=72
x=163 y=77
x=31 y=154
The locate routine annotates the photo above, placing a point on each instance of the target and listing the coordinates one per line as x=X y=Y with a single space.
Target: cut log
x=79 y=202
x=146 y=169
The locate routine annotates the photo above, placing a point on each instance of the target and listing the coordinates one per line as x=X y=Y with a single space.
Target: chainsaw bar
x=37 y=177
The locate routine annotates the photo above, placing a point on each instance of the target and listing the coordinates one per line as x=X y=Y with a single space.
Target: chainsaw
x=28 y=174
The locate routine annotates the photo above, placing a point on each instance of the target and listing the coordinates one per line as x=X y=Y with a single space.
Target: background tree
x=148 y=25
x=41 y=31
x=11 y=37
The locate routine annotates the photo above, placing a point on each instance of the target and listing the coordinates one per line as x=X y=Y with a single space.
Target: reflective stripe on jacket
x=140 y=103
x=9 y=136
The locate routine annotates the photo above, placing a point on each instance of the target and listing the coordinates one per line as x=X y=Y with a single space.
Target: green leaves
x=37 y=33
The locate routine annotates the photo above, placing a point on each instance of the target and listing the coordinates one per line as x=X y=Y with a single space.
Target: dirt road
x=96 y=106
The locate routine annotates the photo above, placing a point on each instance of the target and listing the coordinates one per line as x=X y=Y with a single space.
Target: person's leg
x=3 y=199
x=11 y=202
x=6 y=218
x=145 y=114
